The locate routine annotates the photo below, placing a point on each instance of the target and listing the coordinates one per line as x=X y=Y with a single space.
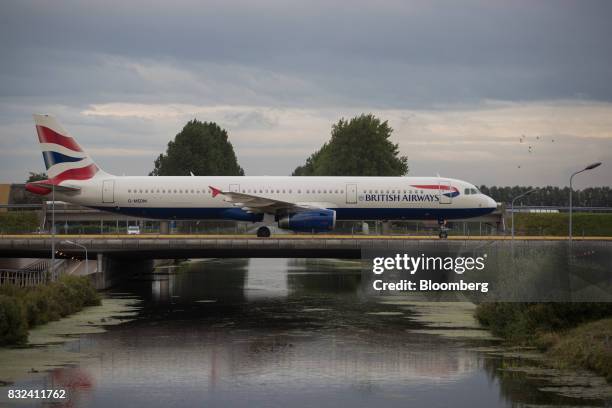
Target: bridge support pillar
x=99 y=277
x=164 y=227
x=385 y=227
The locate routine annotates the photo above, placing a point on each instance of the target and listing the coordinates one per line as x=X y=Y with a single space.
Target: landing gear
x=443 y=229
x=263 y=232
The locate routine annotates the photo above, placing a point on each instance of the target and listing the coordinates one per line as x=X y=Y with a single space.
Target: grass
x=24 y=308
x=557 y=224
x=12 y=222
x=588 y=345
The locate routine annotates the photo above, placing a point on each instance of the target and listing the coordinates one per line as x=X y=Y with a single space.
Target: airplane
x=307 y=204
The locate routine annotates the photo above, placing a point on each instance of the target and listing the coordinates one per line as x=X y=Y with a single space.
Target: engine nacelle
x=315 y=220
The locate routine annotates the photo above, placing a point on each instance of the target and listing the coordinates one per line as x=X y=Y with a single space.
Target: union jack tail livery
x=64 y=158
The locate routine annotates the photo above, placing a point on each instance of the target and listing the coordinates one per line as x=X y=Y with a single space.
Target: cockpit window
x=474 y=190
x=467 y=191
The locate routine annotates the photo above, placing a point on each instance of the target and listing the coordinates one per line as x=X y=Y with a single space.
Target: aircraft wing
x=257 y=204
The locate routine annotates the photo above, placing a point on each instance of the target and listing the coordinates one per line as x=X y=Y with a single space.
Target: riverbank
x=24 y=308
x=571 y=334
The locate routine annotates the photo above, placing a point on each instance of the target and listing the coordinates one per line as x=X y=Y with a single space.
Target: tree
x=201 y=148
x=36 y=176
x=358 y=147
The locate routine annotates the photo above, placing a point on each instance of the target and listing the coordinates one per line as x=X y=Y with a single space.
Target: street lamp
x=85 y=248
x=589 y=167
x=52 y=269
x=512 y=206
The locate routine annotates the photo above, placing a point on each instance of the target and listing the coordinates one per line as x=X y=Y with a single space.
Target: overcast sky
x=461 y=83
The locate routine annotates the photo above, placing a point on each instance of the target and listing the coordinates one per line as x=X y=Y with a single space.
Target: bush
x=42 y=304
x=521 y=321
x=13 y=324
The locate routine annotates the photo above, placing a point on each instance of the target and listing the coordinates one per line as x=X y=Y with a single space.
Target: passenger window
x=129 y=191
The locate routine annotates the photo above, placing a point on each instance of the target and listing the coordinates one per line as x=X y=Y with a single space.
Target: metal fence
x=34 y=274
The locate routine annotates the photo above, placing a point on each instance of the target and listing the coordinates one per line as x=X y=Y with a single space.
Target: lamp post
x=52 y=268
x=589 y=167
x=84 y=248
x=512 y=206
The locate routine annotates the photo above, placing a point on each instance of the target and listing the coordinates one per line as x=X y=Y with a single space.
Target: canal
x=300 y=333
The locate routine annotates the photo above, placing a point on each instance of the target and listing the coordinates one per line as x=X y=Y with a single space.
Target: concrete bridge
x=245 y=246
x=116 y=256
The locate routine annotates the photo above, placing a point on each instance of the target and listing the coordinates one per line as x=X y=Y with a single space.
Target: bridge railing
x=34 y=274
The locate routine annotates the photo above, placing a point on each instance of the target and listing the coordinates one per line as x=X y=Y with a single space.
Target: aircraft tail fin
x=64 y=158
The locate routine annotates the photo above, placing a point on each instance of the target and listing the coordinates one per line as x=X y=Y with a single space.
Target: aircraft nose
x=491 y=203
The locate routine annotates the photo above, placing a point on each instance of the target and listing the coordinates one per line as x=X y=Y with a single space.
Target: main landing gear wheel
x=263 y=232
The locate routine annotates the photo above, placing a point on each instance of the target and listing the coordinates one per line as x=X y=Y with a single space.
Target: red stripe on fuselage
x=46 y=135
x=436 y=187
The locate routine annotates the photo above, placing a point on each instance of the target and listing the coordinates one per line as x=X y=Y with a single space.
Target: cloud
x=459 y=82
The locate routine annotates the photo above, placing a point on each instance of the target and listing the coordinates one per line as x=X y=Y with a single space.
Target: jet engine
x=315 y=220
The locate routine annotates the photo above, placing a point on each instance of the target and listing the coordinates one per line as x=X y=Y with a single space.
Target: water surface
x=300 y=333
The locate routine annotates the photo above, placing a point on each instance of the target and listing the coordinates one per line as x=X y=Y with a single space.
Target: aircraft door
x=234 y=188
x=444 y=188
x=108 y=191
x=351 y=193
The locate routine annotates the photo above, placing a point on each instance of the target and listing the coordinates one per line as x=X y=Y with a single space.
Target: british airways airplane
x=312 y=204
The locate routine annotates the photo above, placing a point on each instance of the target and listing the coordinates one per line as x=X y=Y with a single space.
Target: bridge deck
x=245 y=246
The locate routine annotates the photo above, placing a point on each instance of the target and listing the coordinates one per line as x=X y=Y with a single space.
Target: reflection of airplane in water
x=294 y=203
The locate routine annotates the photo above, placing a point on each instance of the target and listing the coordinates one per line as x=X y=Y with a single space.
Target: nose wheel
x=263 y=232
x=443 y=234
